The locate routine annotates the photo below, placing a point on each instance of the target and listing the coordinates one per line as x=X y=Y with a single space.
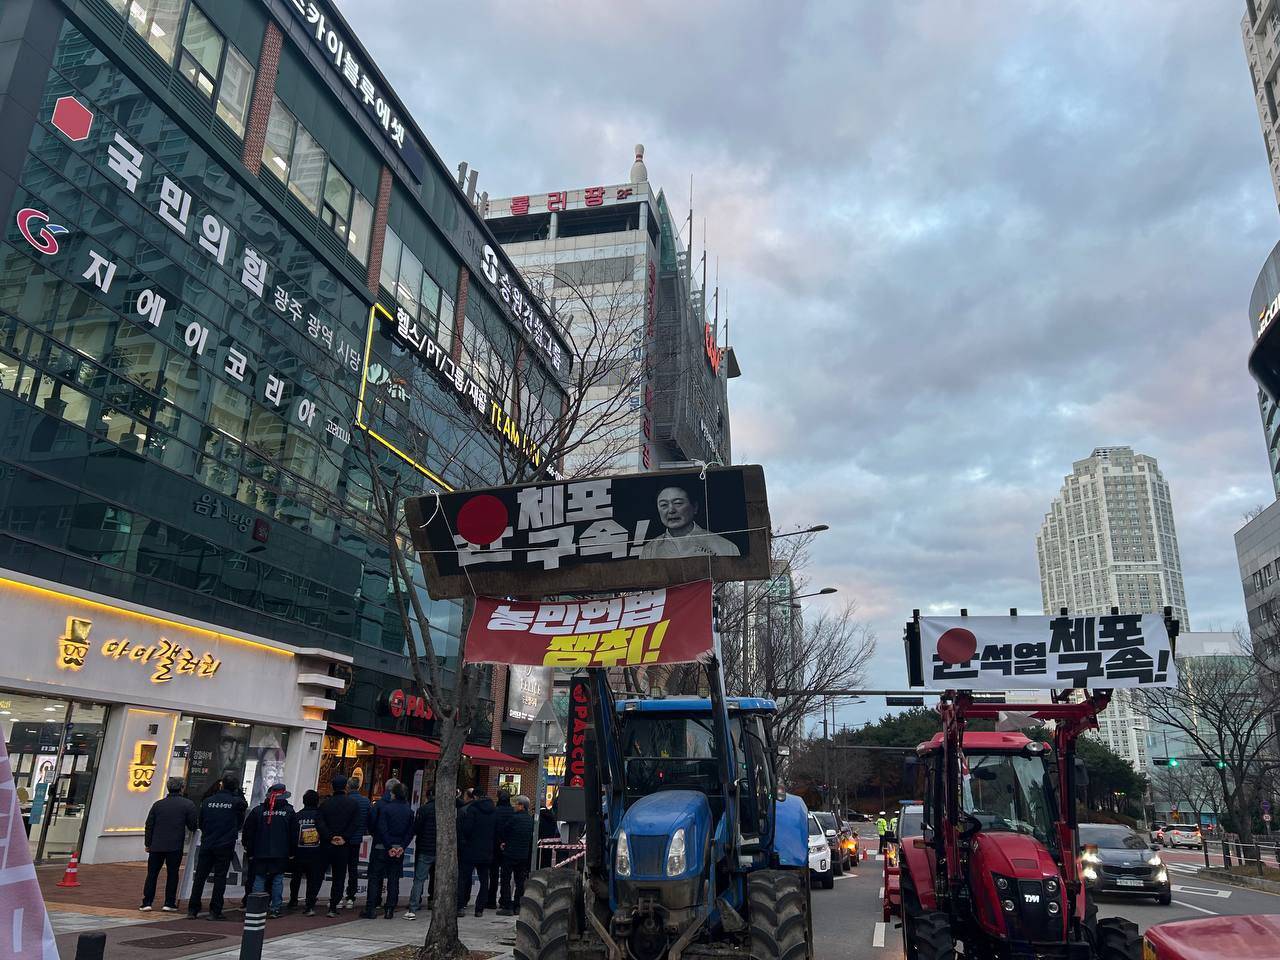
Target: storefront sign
x=399 y=704
x=614 y=533
x=507 y=289
x=713 y=349
x=558 y=201
x=74 y=644
x=554 y=766
x=672 y=625
x=1001 y=653
x=1268 y=314
x=528 y=688
x=142 y=769
x=364 y=85
x=579 y=722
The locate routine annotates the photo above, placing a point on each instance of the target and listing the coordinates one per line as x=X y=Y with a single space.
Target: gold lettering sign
x=73 y=646
x=165 y=658
x=142 y=769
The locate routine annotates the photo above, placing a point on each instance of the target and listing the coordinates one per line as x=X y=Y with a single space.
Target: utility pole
x=826 y=748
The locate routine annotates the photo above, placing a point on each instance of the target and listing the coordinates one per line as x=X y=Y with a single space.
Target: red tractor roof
x=981 y=742
x=1212 y=938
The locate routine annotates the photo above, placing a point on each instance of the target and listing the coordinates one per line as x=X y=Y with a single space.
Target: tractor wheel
x=931 y=936
x=546 y=921
x=777 y=912
x=1118 y=940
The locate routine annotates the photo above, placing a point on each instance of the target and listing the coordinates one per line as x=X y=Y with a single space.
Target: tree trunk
x=442 y=941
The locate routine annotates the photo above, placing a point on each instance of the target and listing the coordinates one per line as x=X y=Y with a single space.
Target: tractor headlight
x=676 y=863
x=622 y=858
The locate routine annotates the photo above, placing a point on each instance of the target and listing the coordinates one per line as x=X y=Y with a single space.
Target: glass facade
x=183 y=340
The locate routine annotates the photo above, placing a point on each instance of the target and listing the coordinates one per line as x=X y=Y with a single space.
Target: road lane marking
x=1182 y=867
x=877 y=938
x=880 y=895
x=1202 y=891
x=1192 y=906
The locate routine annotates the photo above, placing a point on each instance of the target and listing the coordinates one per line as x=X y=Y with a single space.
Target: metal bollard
x=255 y=927
x=91 y=946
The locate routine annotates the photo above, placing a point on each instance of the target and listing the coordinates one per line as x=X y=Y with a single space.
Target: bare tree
x=510 y=418
x=1189 y=786
x=1224 y=708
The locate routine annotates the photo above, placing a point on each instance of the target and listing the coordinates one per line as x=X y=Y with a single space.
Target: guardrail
x=1231 y=853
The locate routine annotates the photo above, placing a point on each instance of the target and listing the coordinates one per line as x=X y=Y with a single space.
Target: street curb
x=1234 y=880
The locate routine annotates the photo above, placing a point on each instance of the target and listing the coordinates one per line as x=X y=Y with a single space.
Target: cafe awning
x=488 y=757
x=392 y=744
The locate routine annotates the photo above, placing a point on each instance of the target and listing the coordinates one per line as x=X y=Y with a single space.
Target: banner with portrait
x=635 y=532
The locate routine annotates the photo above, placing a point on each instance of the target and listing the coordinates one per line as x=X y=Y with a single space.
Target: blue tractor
x=693 y=847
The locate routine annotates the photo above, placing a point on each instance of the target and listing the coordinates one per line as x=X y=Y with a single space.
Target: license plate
x=1126 y=882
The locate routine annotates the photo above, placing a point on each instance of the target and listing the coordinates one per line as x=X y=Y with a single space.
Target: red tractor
x=996 y=868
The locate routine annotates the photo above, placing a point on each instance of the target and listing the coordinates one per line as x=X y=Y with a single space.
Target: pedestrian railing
x=1232 y=854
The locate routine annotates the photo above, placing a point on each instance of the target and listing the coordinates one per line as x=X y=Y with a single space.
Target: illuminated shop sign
x=559 y=200
x=714 y=352
x=400 y=704
x=142 y=768
x=507 y=289
x=405 y=331
x=1268 y=314
x=165 y=658
x=336 y=49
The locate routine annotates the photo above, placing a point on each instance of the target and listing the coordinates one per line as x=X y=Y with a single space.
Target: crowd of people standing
x=495 y=844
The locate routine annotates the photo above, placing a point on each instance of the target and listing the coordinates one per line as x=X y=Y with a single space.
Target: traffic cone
x=69 y=876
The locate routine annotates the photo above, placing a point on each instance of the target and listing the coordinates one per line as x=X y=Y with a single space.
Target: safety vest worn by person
x=881 y=826
x=893 y=825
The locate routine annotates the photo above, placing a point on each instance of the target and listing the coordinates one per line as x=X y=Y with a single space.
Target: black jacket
x=391 y=823
x=268 y=834
x=168 y=823
x=502 y=814
x=341 y=815
x=476 y=832
x=424 y=829
x=221 y=817
x=517 y=837
x=310 y=834
x=547 y=826
x=365 y=810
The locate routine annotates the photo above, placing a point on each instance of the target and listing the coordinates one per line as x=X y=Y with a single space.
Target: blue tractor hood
x=650 y=822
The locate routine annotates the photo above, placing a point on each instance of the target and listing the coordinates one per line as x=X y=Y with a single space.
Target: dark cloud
x=962 y=244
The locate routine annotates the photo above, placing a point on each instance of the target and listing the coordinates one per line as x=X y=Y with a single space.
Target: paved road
x=847 y=925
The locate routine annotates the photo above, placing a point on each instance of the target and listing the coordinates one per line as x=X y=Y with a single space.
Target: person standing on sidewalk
x=353 y=839
x=340 y=812
x=268 y=832
x=502 y=813
x=475 y=851
x=424 y=864
x=517 y=848
x=548 y=829
x=310 y=852
x=165 y=837
x=392 y=830
x=221 y=817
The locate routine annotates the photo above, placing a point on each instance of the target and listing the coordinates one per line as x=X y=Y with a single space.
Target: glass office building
x=234 y=279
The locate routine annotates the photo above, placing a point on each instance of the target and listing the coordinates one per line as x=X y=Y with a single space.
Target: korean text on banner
x=1003 y=653
x=24 y=923
x=654 y=626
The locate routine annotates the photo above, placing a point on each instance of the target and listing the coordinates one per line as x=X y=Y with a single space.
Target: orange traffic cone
x=69 y=877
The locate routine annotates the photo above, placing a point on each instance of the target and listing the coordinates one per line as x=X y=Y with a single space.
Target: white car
x=1176 y=836
x=820 y=868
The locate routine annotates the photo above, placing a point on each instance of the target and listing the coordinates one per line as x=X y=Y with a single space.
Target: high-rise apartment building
x=1109 y=541
x=1261 y=33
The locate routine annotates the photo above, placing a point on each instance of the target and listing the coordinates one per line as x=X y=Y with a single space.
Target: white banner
x=1011 y=653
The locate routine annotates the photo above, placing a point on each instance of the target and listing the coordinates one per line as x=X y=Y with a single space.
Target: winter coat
x=476 y=832
x=310 y=834
x=341 y=815
x=268 y=831
x=221 y=817
x=391 y=823
x=517 y=839
x=168 y=822
x=363 y=809
x=547 y=827
x=502 y=814
x=424 y=829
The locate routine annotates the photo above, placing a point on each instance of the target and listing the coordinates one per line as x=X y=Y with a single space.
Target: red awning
x=392 y=744
x=488 y=757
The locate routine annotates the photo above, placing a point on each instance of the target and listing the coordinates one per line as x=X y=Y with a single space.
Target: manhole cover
x=172 y=940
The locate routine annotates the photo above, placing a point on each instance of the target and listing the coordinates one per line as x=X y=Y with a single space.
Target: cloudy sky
x=963 y=244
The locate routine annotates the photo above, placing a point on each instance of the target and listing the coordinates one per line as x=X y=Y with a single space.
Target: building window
x=201 y=56
x=235 y=90
x=156 y=21
x=361 y=228
x=390 y=261
x=335 y=210
x=279 y=143
x=306 y=169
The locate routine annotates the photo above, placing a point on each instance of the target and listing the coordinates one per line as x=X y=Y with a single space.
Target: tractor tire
x=1118 y=940
x=931 y=939
x=547 y=914
x=778 y=915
